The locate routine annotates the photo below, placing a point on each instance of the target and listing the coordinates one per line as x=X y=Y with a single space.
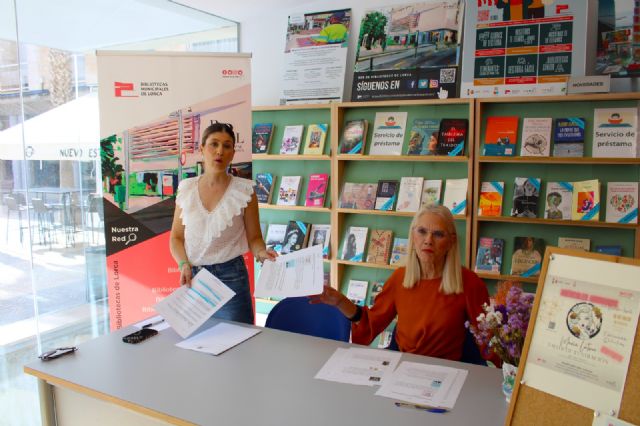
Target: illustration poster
x=584 y=332
x=523 y=48
x=315 y=57
x=153 y=109
x=409 y=51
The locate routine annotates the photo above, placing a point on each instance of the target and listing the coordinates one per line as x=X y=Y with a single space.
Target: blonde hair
x=452 y=272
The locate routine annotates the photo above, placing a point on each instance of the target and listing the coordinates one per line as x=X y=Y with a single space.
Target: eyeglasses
x=57 y=353
x=436 y=234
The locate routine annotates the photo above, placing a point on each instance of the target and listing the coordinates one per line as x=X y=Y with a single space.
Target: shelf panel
x=296 y=208
x=539 y=221
x=290 y=107
x=389 y=213
x=367 y=265
x=410 y=158
x=533 y=280
x=558 y=160
x=280 y=157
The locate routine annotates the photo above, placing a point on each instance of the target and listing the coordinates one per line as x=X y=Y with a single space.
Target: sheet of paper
x=187 y=308
x=295 y=274
x=218 y=338
x=424 y=384
x=157 y=323
x=359 y=366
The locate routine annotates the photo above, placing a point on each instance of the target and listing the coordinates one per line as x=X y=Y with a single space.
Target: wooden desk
x=267 y=380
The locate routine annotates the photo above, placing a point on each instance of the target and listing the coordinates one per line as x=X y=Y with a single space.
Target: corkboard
x=529 y=405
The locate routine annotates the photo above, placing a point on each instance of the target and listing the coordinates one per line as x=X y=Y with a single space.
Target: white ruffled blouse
x=214 y=236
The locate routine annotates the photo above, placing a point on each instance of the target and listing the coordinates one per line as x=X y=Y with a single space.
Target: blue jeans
x=233 y=273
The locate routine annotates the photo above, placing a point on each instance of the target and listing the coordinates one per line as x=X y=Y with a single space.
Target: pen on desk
x=421 y=407
x=152 y=324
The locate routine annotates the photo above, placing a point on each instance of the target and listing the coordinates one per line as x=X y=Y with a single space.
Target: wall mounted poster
x=315 y=57
x=409 y=51
x=523 y=48
x=153 y=109
x=584 y=331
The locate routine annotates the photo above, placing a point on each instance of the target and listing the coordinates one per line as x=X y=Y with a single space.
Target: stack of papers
x=358 y=366
x=423 y=384
x=218 y=338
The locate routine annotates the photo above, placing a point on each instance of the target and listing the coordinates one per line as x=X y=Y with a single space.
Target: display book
x=289 y=190
x=292 y=142
x=295 y=235
x=383 y=248
x=614 y=135
x=428 y=136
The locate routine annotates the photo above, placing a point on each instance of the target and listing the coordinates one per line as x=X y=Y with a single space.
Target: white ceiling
x=80 y=25
x=243 y=10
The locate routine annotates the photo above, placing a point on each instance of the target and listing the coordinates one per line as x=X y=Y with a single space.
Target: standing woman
x=432 y=296
x=216 y=222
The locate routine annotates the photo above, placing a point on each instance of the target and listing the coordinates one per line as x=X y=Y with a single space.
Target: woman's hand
x=185 y=274
x=266 y=254
x=329 y=296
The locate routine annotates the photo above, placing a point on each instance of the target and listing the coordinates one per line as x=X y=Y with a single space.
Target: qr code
x=447 y=75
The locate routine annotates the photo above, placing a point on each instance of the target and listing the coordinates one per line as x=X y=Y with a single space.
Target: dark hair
x=218 y=127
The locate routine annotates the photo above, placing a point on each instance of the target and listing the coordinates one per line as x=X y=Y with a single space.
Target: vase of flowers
x=502 y=327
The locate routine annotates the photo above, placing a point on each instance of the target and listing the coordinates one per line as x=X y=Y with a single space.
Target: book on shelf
x=354 y=243
x=501 y=136
x=315 y=139
x=316 y=190
x=354 y=136
x=615 y=132
x=388 y=133
x=376 y=288
x=358 y=196
x=379 y=246
x=275 y=236
x=264 y=187
x=289 y=190
x=489 y=257
x=320 y=235
x=399 y=251
x=295 y=237
x=409 y=194
x=423 y=139
x=386 y=195
x=568 y=140
x=574 y=243
x=622 y=202
x=455 y=195
x=357 y=291
x=558 y=200
x=261 y=138
x=291 y=139
x=585 y=203
x=536 y=137
x=452 y=136
x=527 y=256
x=431 y=189
x=526 y=195
x=326 y=278
x=490 y=201
x=614 y=250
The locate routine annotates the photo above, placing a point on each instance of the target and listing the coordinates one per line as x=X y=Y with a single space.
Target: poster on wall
x=521 y=48
x=409 y=51
x=315 y=57
x=153 y=109
x=618 y=41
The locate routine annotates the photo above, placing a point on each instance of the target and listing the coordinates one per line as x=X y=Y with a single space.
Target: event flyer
x=409 y=51
x=584 y=333
x=523 y=48
x=315 y=57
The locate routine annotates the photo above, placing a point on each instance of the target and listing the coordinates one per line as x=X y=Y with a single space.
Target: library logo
x=124 y=90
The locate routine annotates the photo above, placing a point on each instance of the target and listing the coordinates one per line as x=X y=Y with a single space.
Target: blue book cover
x=568 y=137
x=424 y=137
x=615 y=250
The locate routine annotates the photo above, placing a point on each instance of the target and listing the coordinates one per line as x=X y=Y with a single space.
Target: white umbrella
x=68 y=132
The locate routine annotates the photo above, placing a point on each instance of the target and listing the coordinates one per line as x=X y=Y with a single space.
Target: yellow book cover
x=379 y=246
x=490 y=203
x=314 y=141
x=586 y=200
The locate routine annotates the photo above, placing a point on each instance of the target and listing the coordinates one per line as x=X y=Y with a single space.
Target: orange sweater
x=429 y=322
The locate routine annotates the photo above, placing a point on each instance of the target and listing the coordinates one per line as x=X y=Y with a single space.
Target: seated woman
x=432 y=296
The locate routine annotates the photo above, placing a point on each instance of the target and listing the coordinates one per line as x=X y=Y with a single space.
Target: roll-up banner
x=153 y=109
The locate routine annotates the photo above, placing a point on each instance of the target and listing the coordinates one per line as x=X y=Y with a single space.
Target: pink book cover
x=317 y=189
